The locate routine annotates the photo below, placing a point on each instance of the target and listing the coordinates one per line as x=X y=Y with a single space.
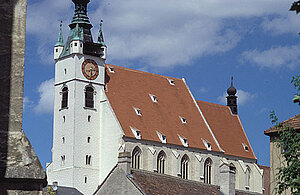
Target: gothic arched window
x=184 y=166
x=136 y=158
x=89 y=97
x=247 y=178
x=161 y=162
x=207 y=170
x=64 y=100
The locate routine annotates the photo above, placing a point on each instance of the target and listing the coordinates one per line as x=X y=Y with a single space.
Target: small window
x=184 y=141
x=136 y=133
x=111 y=69
x=206 y=144
x=63 y=159
x=88 y=159
x=63 y=140
x=75 y=44
x=247 y=178
x=171 y=81
x=64 y=119
x=162 y=137
x=80 y=44
x=89 y=140
x=184 y=166
x=89 y=118
x=71 y=45
x=56 y=50
x=65 y=70
x=246 y=148
x=183 y=120
x=153 y=98
x=138 y=111
x=85 y=179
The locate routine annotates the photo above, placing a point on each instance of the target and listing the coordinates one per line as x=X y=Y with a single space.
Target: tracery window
x=184 y=166
x=207 y=170
x=89 y=97
x=161 y=162
x=136 y=158
x=64 y=100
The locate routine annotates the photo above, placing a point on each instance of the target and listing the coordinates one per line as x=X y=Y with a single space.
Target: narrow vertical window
x=161 y=162
x=63 y=159
x=247 y=178
x=88 y=159
x=63 y=140
x=89 y=118
x=65 y=71
x=207 y=170
x=88 y=139
x=64 y=119
x=85 y=179
x=89 y=97
x=184 y=167
x=64 y=101
x=136 y=158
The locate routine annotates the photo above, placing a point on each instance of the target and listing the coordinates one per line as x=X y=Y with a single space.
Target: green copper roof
x=80 y=14
x=78 y=33
x=100 y=35
x=60 y=40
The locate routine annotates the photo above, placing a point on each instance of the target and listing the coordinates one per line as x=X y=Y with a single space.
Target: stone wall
x=20 y=169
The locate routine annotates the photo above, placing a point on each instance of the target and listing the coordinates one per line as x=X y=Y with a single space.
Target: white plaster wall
x=110 y=138
x=196 y=164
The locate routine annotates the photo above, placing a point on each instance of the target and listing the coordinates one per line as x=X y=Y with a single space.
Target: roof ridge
x=140 y=71
x=214 y=104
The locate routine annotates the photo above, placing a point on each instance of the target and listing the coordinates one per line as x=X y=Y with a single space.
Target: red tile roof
x=227 y=128
x=292 y=122
x=128 y=89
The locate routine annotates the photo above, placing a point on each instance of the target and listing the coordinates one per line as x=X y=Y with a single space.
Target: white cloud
x=46 y=101
x=286 y=56
x=155 y=33
x=243 y=97
x=27 y=103
x=282 y=24
x=202 y=90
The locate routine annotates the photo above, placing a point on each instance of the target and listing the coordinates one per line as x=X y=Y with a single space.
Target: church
x=104 y=111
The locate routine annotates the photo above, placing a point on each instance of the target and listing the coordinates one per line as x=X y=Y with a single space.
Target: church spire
x=80 y=14
x=100 y=35
x=60 y=41
x=231 y=98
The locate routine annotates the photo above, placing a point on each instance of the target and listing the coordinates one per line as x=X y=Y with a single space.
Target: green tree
x=288 y=139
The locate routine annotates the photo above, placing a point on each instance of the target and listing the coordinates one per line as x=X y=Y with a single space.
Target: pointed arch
x=89 y=96
x=208 y=171
x=161 y=162
x=185 y=166
x=247 y=177
x=136 y=158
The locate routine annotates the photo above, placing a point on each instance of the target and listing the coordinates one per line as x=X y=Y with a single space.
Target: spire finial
x=60 y=40
x=100 y=35
x=231 y=81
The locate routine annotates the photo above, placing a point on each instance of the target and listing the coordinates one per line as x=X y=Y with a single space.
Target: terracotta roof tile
x=227 y=128
x=153 y=183
x=127 y=88
x=292 y=122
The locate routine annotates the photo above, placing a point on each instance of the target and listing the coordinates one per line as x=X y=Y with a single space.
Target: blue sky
x=205 y=41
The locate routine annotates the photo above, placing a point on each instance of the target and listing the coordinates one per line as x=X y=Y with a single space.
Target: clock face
x=90 y=69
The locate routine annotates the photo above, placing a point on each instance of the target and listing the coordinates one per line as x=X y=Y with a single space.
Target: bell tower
x=232 y=98
x=79 y=85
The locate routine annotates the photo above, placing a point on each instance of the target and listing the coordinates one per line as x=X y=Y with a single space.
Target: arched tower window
x=89 y=97
x=88 y=159
x=161 y=162
x=64 y=100
x=136 y=158
x=247 y=178
x=184 y=166
x=207 y=170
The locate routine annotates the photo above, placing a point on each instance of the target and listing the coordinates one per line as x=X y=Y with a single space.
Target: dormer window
x=136 y=133
x=246 y=148
x=153 y=98
x=171 y=81
x=184 y=141
x=111 y=69
x=207 y=144
x=162 y=137
x=183 y=120
x=138 y=111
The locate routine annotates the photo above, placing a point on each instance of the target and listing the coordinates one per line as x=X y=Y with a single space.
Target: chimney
x=124 y=161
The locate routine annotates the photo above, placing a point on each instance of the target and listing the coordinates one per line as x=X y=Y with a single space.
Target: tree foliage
x=288 y=140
